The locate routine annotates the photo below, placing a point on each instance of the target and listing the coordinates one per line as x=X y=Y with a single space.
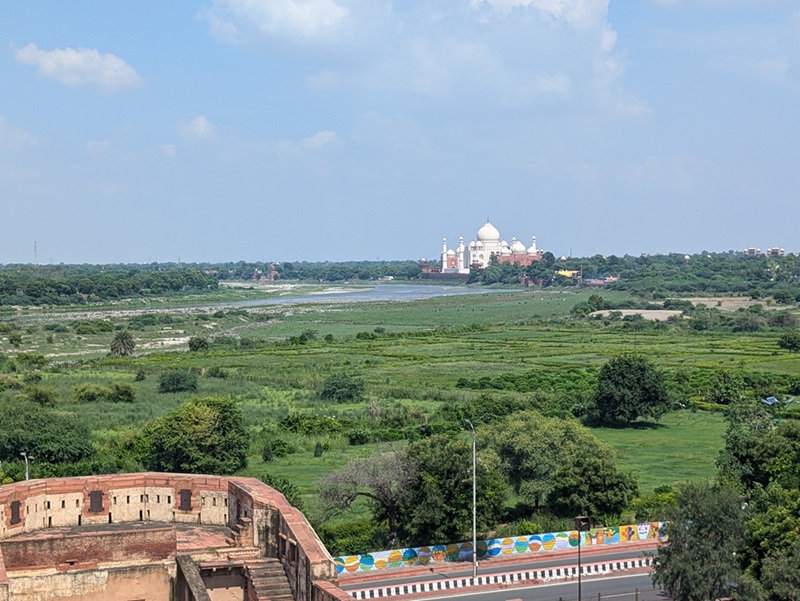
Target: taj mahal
x=478 y=254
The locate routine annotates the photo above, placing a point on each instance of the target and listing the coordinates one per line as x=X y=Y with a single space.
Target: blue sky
x=282 y=130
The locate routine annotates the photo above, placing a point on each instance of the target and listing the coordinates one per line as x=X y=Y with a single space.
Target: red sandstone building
x=158 y=537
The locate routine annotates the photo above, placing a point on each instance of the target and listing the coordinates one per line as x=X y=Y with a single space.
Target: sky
x=313 y=130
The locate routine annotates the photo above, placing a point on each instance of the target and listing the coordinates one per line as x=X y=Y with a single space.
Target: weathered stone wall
x=260 y=516
x=90 y=549
x=151 y=582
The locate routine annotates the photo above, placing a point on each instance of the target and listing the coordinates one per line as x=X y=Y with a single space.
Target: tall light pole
x=25 y=455
x=474 y=506
x=581 y=525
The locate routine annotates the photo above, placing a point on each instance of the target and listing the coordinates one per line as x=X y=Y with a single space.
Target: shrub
x=341 y=388
x=216 y=372
x=90 y=393
x=43 y=396
x=177 y=380
x=286 y=488
x=318 y=449
x=122 y=393
x=9 y=383
x=276 y=448
x=139 y=376
x=353 y=537
x=32 y=360
x=198 y=344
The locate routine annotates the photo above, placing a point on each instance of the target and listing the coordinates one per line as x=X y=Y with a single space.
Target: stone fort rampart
x=92 y=537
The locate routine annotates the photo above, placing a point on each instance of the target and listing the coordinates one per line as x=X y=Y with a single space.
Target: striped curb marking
x=543 y=575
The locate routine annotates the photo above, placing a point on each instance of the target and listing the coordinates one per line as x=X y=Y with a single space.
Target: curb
x=530 y=577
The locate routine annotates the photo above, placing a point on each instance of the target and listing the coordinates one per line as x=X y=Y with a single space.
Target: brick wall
x=84 y=549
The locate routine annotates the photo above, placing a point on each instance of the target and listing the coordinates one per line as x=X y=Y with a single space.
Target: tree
x=122 y=343
x=437 y=507
x=738 y=463
x=50 y=436
x=591 y=485
x=790 y=341
x=198 y=344
x=341 y=388
x=705 y=530
x=727 y=388
x=203 y=436
x=628 y=388
x=533 y=447
x=383 y=479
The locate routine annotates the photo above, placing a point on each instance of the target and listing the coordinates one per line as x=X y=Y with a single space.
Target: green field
x=415 y=355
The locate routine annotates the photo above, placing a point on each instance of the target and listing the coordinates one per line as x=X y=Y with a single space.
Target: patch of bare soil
x=648 y=314
x=733 y=303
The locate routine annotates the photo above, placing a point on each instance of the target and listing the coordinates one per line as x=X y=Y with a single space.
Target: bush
x=177 y=380
x=286 y=488
x=354 y=537
x=122 y=393
x=216 y=372
x=90 y=393
x=43 y=396
x=276 y=448
x=341 y=388
x=9 y=383
x=198 y=344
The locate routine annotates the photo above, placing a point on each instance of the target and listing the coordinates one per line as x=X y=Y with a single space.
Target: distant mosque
x=479 y=253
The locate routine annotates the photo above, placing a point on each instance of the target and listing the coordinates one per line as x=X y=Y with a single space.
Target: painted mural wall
x=532 y=543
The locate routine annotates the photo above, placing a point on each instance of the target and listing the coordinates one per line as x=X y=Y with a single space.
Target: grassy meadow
x=414 y=355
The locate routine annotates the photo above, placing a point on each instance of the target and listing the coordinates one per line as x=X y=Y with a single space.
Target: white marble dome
x=488 y=233
x=518 y=247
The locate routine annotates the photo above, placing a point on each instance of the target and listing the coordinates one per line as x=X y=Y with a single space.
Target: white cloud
x=582 y=14
x=199 y=127
x=169 y=150
x=319 y=139
x=237 y=20
x=75 y=67
x=12 y=139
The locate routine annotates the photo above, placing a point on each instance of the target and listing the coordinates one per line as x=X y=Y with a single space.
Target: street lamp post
x=25 y=456
x=581 y=525
x=474 y=506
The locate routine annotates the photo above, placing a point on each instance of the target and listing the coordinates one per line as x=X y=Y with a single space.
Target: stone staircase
x=266 y=581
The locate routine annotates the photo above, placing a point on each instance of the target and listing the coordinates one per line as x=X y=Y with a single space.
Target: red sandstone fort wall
x=89 y=549
x=261 y=518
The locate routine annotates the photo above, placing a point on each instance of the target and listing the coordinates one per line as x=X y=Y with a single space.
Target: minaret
x=533 y=243
x=444 y=253
x=461 y=265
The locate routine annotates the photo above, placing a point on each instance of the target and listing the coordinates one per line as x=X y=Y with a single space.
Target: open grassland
x=682 y=447
x=416 y=354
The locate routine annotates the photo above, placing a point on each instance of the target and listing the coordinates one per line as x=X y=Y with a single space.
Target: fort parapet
x=156 y=537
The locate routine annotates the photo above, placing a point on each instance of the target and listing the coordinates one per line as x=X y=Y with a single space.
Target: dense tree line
x=659 y=276
x=71 y=284
x=655 y=277
x=321 y=271
x=740 y=535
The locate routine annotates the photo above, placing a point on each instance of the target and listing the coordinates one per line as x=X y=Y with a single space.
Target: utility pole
x=474 y=506
x=26 y=457
x=581 y=525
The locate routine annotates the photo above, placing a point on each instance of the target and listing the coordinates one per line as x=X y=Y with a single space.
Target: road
x=613 y=588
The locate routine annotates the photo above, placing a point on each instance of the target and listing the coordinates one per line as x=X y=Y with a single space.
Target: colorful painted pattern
x=533 y=543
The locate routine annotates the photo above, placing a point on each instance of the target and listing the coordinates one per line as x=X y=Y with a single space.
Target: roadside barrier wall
x=498 y=547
